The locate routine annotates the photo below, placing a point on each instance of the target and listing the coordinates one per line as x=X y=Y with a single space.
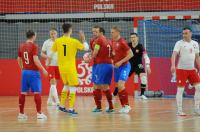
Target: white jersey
x=187 y=52
x=47 y=48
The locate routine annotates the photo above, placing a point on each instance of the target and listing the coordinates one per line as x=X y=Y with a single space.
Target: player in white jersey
x=52 y=67
x=188 y=52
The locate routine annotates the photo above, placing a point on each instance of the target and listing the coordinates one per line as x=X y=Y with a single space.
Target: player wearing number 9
x=67 y=48
x=30 y=65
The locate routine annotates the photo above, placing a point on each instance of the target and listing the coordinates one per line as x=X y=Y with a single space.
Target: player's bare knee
x=53 y=81
x=24 y=93
x=121 y=85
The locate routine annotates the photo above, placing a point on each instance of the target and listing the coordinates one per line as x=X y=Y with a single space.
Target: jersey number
x=65 y=48
x=26 y=57
x=109 y=49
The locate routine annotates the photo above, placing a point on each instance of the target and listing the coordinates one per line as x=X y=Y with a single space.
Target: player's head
x=94 y=30
x=115 y=32
x=31 y=35
x=134 y=38
x=187 y=34
x=53 y=33
x=67 y=28
x=100 y=31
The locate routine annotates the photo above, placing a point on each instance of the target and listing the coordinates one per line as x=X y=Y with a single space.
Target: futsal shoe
x=126 y=109
x=72 y=112
x=96 y=110
x=110 y=110
x=143 y=97
x=22 y=116
x=180 y=113
x=62 y=109
x=41 y=116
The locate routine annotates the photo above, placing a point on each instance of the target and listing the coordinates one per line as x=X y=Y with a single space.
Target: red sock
x=109 y=98
x=38 y=102
x=123 y=96
x=21 y=103
x=97 y=98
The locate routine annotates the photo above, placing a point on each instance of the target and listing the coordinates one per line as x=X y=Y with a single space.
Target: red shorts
x=53 y=72
x=183 y=75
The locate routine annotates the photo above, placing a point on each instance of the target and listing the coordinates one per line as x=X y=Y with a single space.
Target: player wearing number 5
x=30 y=65
x=67 y=48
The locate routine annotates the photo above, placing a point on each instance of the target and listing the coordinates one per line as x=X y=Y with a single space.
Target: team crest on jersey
x=137 y=51
x=194 y=46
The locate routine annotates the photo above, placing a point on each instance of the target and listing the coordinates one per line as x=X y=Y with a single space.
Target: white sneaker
x=41 y=116
x=144 y=97
x=22 y=116
x=126 y=109
x=180 y=113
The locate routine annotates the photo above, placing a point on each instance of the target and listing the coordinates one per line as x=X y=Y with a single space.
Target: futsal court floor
x=153 y=115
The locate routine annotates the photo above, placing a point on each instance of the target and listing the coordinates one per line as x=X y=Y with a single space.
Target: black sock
x=142 y=91
x=115 y=91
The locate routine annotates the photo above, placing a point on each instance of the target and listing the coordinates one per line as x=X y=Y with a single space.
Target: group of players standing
x=60 y=55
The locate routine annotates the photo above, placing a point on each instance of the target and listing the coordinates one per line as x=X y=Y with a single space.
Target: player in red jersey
x=102 y=68
x=30 y=64
x=121 y=55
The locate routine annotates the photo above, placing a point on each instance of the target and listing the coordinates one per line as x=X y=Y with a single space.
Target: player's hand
x=118 y=64
x=49 y=59
x=148 y=70
x=45 y=73
x=82 y=36
x=173 y=69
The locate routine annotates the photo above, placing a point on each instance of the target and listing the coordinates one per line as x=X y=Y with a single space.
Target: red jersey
x=26 y=51
x=104 y=54
x=120 y=48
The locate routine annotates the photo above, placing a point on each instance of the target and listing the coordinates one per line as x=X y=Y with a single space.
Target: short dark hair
x=30 y=34
x=102 y=30
x=96 y=26
x=187 y=28
x=116 y=28
x=66 y=27
x=134 y=34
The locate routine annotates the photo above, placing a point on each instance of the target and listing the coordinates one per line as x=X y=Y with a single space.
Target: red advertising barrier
x=160 y=79
x=60 y=6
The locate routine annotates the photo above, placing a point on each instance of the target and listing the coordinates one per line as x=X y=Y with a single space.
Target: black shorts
x=137 y=69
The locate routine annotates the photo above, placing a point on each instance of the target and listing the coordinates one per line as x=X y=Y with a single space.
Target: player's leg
x=97 y=94
x=123 y=95
x=51 y=76
x=106 y=78
x=64 y=93
x=36 y=88
x=73 y=82
x=22 y=97
x=181 y=76
x=54 y=88
x=143 y=85
x=23 y=92
x=195 y=80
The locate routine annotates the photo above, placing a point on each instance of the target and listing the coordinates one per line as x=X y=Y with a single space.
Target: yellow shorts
x=70 y=79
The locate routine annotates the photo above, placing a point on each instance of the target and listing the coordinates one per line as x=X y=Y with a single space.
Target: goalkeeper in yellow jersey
x=67 y=48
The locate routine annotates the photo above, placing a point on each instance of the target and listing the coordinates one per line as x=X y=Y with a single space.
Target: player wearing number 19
x=67 y=48
x=30 y=65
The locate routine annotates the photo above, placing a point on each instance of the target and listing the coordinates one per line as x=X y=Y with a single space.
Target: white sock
x=55 y=93
x=50 y=95
x=179 y=98
x=197 y=96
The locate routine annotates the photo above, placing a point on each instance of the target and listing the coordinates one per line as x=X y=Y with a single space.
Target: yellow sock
x=63 y=98
x=72 y=98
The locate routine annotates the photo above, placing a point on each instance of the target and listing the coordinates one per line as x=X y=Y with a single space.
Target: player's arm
x=96 y=50
x=20 y=63
x=44 y=51
x=147 y=62
x=174 y=56
x=129 y=55
x=173 y=61
x=39 y=65
x=197 y=59
x=84 y=42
